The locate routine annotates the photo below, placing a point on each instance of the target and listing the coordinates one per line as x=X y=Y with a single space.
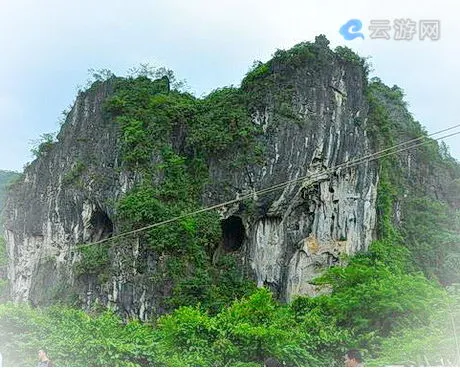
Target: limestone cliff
x=6 y=177
x=311 y=112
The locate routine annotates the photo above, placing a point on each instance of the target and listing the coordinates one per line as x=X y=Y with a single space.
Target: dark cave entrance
x=101 y=224
x=233 y=233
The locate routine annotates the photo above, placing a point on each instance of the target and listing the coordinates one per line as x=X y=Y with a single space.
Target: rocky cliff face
x=6 y=177
x=306 y=226
x=288 y=236
x=53 y=216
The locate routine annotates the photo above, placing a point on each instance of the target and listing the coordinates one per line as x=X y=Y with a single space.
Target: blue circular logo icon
x=350 y=29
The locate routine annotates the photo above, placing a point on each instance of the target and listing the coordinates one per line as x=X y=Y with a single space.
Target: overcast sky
x=49 y=45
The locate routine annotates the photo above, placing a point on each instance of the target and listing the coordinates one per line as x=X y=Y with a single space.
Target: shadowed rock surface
x=284 y=240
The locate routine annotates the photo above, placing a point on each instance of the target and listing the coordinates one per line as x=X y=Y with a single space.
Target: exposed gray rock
x=45 y=217
x=290 y=237
x=305 y=226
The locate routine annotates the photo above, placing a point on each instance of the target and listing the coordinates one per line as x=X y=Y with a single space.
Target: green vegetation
x=72 y=337
x=432 y=234
x=429 y=227
x=375 y=306
x=152 y=117
x=93 y=259
x=3 y=269
x=43 y=145
x=6 y=178
x=3 y=253
x=273 y=82
x=74 y=174
x=388 y=302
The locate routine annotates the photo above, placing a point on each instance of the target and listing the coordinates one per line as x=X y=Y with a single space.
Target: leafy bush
x=74 y=174
x=379 y=303
x=94 y=259
x=43 y=145
x=72 y=338
x=434 y=341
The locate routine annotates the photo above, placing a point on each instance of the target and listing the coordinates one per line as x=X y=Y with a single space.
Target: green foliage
x=429 y=232
x=380 y=126
x=380 y=302
x=224 y=123
x=213 y=288
x=72 y=338
x=297 y=55
x=3 y=269
x=314 y=55
x=373 y=294
x=155 y=73
x=386 y=194
x=3 y=253
x=348 y=54
x=94 y=259
x=257 y=71
x=43 y=145
x=245 y=333
x=431 y=343
x=274 y=82
x=100 y=75
x=152 y=118
x=6 y=179
x=95 y=78
x=429 y=226
x=432 y=231
x=74 y=174
x=261 y=77
x=374 y=306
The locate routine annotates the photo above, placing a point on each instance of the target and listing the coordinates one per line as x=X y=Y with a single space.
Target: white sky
x=48 y=46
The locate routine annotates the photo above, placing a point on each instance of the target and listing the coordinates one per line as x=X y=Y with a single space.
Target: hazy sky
x=49 y=45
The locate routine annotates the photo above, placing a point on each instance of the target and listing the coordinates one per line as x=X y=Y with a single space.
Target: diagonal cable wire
x=371 y=157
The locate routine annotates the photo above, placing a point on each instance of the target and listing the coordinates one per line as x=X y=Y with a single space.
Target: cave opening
x=101 y=224
x=232 y=233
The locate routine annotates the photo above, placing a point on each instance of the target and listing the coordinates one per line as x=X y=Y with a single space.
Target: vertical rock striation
x=313 y=116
